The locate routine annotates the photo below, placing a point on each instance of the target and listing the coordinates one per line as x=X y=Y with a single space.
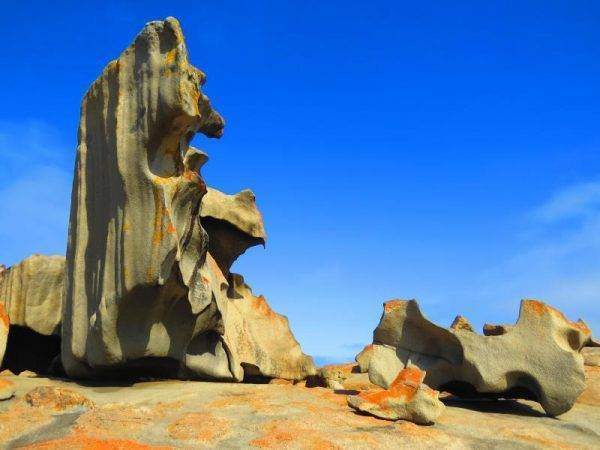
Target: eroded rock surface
x=233 y=224
x=407 y=397
x=538 y=358
x=461 y=323
x=148 y=290
x=31 y=292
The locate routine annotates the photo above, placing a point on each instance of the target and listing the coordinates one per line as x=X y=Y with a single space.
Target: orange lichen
x=540 y=308
x=283 y=433
x=4 y=316
x=83 y=442
x=405 y=386
x=392 y=305
x=203 y=427
x=56 y=398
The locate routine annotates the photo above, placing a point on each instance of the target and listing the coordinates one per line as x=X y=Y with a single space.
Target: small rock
x=407 y=398
x=6 y=373
x=461 y=323
x=591 y=356
x=7 y=389
x=490 y=329
x=56 y=398
x=28 y=374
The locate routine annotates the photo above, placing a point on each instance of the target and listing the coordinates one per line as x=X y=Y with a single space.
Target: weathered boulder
x=233 y=224
x=539 y=358
x=31 y=292
x=461 y=323
x=144 y=295
x=406 y=398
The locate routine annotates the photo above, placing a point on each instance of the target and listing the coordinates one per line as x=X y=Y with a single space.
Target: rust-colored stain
x=201 y=426
x=404 y=386
x=56 y=398
x=539 y=308
x=284 y=433
x=4 y=317
x=79 y=441
x=392 y=305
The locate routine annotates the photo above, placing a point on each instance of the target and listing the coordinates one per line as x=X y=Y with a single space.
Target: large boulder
x=539 y=358
x=31 y=292
x=143 y=294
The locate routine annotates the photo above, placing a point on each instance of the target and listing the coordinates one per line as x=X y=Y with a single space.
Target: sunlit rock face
x=143 y=296
x=538 y=358
x=31 y=292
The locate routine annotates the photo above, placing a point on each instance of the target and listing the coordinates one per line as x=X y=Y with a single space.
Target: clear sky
x=444 y=151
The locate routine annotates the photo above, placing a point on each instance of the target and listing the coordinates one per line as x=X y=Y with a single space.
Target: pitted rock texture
x=539 y=358
x=406 y=398
x=144 y=296
x=233 y=224
x=31 y=292
x=185 y=414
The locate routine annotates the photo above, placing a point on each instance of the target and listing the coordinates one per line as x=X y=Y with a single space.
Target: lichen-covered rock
x=31 y=292
x=406 y=398
x=144 y=296
x=56 y=398
x=133 y=287
x=539 y=358
x=461 y=323
x=233 y=224
x=259 y=340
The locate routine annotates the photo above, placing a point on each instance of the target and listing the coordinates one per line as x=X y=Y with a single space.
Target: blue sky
x=445 y=151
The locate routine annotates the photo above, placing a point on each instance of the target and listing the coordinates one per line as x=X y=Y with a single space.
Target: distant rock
x=490 y=329
x=542 y=344
x=31 y=292
x=461 y=323
x=406 y=398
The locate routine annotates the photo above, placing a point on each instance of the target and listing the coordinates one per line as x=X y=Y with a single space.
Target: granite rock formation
x=539 y=358
x=31 y=292
x=407 y=397
x=143 y=293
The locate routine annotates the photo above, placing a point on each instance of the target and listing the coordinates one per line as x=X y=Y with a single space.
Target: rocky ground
x=185 y=414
